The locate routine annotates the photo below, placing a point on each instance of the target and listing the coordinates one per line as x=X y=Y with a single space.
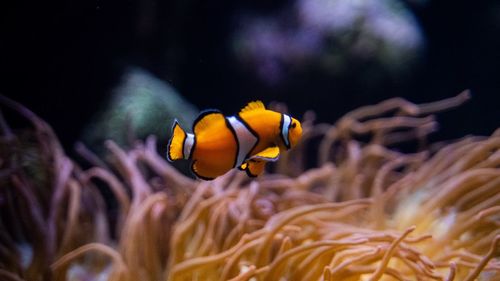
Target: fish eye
x=293 y=125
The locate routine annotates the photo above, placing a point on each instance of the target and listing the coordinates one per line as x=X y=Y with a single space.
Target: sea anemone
x=366 y=211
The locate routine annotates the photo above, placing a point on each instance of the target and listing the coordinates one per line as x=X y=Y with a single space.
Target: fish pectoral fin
x=256 y=164
x=253 y=105
x=269 y=154
x=255 y=167
x=206 y=119
x=243 y=166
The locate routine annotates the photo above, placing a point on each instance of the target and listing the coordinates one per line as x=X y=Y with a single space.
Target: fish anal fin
x=206 y=119
x=198 y=173
x=175 y=149
x=271 y=153
x=255 y=167
x=253 y=105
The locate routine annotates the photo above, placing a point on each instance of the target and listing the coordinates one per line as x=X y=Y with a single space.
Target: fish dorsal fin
x=269 y=154
x=253 y=105
x=206 y=119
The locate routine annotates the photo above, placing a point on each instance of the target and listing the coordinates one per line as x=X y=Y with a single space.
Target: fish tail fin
x=175 y=150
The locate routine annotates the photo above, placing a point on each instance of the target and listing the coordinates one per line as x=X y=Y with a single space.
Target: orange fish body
x=247 y=140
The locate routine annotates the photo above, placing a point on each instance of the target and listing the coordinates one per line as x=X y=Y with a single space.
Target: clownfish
x=246 y=141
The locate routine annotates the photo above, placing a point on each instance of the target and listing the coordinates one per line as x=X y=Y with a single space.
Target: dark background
x=62 y=58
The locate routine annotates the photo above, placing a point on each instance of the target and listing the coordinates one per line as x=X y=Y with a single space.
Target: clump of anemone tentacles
x=366 y=212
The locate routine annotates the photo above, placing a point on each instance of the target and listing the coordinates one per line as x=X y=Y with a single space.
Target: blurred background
x=95 y=69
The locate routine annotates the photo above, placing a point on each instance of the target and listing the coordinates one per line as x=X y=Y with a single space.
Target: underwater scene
x=283 y=140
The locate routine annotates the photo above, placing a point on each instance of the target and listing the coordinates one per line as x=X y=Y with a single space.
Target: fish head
x=294 y=132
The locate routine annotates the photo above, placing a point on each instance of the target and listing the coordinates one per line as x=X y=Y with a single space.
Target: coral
x=335 y=36
x=140 y=105
x=367 y=211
